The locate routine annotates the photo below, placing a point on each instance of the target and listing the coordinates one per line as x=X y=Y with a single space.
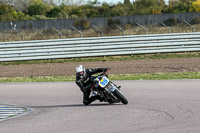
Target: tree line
x=15 y=10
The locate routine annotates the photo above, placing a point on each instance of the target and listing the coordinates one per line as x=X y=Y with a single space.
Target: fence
x=59 y=24
x=99 y=46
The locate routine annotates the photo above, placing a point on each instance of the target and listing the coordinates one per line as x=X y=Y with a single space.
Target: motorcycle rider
x=84 y=80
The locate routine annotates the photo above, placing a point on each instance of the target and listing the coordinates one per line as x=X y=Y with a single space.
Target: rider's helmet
x=80 y=71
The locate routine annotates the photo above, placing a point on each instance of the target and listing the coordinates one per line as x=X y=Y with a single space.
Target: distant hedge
x=39 y=9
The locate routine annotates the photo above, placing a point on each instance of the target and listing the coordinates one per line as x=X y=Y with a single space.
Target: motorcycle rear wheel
x=120 y=96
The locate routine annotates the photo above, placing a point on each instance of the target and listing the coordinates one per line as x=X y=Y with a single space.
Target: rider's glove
x=106 y=69
x=84 y=89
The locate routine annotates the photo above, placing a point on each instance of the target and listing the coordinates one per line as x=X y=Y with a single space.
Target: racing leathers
x=85 y=84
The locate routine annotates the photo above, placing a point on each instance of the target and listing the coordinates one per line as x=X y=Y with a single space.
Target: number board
x=104 y=81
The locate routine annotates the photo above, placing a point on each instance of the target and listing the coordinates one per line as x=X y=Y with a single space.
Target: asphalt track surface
x=166 y=106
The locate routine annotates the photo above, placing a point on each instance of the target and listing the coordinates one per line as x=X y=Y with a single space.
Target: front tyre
x=120 y=96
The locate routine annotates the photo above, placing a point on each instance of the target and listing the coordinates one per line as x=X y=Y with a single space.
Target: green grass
x=150 y=76
x=156 y=76
x=37 y=79
x=110 y=58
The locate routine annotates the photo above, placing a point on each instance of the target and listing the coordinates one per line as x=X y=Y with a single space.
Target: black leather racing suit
x=85 y=84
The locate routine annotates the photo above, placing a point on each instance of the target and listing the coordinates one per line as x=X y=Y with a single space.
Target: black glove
x=84 y=89
x=106 y=69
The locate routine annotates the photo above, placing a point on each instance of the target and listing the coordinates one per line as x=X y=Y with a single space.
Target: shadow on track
x=73 y=105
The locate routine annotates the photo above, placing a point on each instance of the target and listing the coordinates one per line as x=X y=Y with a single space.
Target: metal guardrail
x=99 y=46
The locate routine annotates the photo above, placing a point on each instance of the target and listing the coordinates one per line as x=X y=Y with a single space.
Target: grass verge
x=146 y=76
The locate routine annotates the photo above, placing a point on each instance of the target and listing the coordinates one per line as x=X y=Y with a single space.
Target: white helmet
x=80 y=71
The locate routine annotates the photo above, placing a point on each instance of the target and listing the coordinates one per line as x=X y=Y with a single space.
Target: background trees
x=176 y=6
x=195 y=6
x=148 y=6
x=9 y=13
x=13 y=10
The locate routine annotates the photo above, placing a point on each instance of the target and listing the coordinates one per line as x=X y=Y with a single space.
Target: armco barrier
x=99 y=46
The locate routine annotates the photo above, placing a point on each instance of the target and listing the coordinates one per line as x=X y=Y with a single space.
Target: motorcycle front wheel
x=120 y=96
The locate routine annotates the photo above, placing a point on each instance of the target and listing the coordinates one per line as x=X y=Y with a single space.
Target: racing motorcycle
x=107 y=90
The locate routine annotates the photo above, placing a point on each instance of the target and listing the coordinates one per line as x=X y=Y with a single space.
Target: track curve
x=154 y=106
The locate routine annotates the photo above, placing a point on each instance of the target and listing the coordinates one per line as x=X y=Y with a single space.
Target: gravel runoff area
x=117 y=67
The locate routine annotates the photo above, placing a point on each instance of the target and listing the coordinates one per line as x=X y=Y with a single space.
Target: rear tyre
x=120 y=96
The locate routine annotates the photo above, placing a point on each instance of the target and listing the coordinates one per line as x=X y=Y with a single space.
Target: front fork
x=110 y=89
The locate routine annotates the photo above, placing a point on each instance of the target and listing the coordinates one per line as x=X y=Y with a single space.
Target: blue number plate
x=104 y=81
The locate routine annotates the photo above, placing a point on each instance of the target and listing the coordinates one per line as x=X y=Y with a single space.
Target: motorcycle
x=107 y=90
